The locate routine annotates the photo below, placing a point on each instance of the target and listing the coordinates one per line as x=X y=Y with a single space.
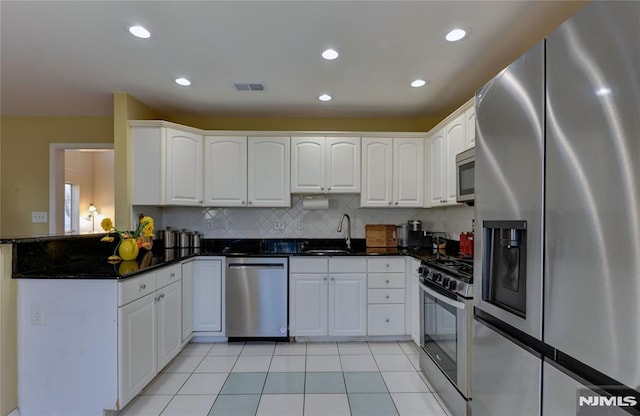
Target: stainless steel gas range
x=446 y=320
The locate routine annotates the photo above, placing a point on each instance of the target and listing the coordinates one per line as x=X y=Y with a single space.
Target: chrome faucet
x=347 y=235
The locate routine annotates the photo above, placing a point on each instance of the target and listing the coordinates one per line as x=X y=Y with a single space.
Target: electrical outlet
x=37 y=314
x=209 y=224
x=278 y=225
x=39 y=216
x=300 y=225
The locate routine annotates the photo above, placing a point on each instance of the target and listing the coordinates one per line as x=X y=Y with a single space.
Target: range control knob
x=437 y=277
x=453 y=285
x=445 y=282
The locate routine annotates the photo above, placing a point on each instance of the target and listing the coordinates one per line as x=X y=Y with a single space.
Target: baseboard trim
x=14 y=412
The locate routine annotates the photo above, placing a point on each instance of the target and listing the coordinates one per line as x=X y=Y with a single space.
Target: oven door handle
x=441 y=298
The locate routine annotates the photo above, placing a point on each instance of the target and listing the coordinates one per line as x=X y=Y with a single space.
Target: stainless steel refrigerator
x=557 y=304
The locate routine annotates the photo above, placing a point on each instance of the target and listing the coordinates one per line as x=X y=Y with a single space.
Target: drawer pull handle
x=386 y=297
x=172 y=275
x=333 y=278
x=387 y=281
x=324 y=278
x=143 y=286
x=386 y=265
x=387 y=320
x=161 y=296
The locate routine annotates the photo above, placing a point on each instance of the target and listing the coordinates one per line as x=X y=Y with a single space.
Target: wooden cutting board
x=381 y=235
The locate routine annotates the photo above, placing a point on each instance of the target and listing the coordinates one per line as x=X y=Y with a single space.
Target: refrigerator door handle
x=443 y=299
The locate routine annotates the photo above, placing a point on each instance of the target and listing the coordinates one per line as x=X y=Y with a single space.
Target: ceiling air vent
x=249 y=86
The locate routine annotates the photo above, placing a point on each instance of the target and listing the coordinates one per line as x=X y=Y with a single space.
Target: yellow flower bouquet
x=130 y=242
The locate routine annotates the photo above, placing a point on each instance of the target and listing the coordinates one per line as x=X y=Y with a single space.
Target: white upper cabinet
x=392 y=172
x=470 y=116
x=184 y=168
x=268 y=182
x=225 y=178
x=408 y=172
x=377 y=172
x=325 y=164
x=166 y=166
x=445 y=142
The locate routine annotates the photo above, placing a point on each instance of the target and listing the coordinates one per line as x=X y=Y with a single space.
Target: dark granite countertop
x=86 y=258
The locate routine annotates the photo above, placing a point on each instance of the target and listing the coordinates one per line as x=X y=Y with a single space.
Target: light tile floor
x=261 y=379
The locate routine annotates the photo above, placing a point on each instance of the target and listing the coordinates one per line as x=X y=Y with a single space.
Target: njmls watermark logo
x=590 y=403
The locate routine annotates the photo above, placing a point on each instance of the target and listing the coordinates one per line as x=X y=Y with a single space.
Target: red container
x=466 y=243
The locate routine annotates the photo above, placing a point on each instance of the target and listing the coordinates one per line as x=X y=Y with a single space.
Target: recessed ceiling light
x=603 y=91
x=418 y=83
x=140 y=32
x=325 y=97
x=183 y=81
x=330 y=54
x=456 y=34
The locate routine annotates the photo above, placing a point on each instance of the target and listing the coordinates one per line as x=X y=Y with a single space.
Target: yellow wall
x=25 y=163
x=8 y=335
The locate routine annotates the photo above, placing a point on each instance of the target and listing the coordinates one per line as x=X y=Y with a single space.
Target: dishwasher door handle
x=256 y=266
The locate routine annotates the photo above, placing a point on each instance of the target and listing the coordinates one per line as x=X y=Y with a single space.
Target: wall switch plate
x=278 y=225
x=39 y=216
x=209 y=224
x=37 y=314
x=300 y=225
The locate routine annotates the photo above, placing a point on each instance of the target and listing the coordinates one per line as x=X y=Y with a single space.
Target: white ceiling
x=67 y=58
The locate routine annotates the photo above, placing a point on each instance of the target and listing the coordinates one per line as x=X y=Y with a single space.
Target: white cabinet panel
x=470 y=116
x=308 y=307
x=386 y=319
x=268 y=172
x=207 y=301
x=137 y=346
x=347 y=304
x=455 y=142
x=308 y=164
x=225 y=171
x=148 y=166
x=342 y=172
x=436 y=168
x=408 y=168
x=169 y=307
x=184 y=168
x=188 y=271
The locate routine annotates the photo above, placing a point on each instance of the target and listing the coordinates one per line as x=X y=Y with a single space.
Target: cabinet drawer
x=385 y=319
x=169 y=274
x=385 y=296
x=347 y=265
x=385 y=264
x=309 y=264
x=386 y=280
x=136 y=287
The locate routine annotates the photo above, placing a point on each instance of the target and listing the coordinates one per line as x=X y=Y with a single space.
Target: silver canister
x=195 y=239
x=168 y=238
x=183 y=238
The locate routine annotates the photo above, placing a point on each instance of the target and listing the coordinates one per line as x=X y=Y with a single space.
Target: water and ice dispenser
x=504 y=261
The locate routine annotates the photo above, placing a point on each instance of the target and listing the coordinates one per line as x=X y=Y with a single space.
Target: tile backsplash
x=302 y=223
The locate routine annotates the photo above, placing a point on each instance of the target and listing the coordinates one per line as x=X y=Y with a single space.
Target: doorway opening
x=81 y=187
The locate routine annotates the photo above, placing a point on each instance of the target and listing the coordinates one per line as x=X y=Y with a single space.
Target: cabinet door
x=147 y=166
x=268 y=169
x=225 y=177
x=377 y=172
x=470 y=131
x=207 y=298
x=308 y=164
x=436 y=169
x=455 y=140
x=343 y=164
x=308 y=304
x=137 y=333
x=347 y=304
x=184 y=168
x=408 y=172
x=187 y=299
x=169 y=309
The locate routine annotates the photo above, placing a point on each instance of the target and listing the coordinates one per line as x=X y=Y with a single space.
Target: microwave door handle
x=441 y=298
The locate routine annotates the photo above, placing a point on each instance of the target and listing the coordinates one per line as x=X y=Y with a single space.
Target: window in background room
x=71 y=208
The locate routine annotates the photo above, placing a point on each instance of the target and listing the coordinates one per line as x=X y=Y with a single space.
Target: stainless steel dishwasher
x=256 y=297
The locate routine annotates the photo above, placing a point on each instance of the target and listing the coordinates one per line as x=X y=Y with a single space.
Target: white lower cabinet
x=188 y=270
x=207 y=295
x=327 y=296
x=414 y=307
x=386 y=300
x=149 y=328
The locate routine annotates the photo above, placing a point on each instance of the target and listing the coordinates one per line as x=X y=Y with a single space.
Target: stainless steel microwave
x=465 y=176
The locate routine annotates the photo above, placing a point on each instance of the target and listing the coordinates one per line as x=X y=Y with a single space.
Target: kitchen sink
x=327 y=251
